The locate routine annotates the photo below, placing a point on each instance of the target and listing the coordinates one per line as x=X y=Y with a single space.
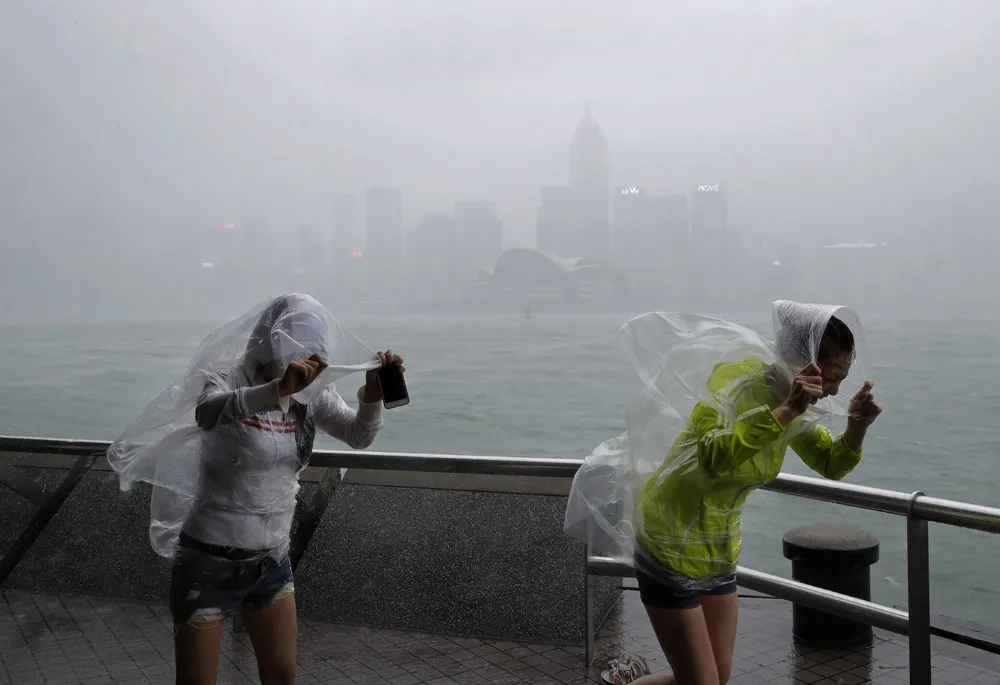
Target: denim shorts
x=209 y=583
x=663 y=588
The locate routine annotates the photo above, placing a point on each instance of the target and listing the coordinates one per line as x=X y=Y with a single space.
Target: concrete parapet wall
x=97 y=544
x=457 y=562
x=450 y=560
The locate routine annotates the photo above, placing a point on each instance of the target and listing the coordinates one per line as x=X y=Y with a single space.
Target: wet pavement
x=60 y=640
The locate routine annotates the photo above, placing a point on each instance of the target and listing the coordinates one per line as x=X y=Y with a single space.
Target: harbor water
x=557 y=385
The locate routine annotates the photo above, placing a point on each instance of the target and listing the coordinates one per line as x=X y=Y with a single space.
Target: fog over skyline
x=838 y=120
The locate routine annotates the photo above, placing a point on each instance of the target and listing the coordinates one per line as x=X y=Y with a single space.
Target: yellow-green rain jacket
x=688 y=513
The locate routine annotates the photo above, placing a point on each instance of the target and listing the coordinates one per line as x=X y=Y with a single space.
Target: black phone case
x=398 y=381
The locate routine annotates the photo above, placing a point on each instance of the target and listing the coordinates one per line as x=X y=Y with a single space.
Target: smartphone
x=393 y=385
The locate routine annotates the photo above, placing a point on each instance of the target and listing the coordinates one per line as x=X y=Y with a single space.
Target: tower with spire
x=574 y=220
x=590 y=184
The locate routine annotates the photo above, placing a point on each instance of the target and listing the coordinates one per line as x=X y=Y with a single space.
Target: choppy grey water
x=557 y=386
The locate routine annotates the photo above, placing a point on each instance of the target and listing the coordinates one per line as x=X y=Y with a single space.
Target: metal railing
x=917 y=508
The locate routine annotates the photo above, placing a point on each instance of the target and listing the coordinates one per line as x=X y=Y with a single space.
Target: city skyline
x=618 y=243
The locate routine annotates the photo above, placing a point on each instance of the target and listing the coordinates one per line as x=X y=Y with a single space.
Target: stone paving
x=60 y=640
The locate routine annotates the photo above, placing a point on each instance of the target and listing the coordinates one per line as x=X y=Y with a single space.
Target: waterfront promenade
x=55 y=640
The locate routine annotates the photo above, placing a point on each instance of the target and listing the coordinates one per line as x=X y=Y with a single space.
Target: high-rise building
x=634 y=228
x=480 y=236
x=343 y=233
x=383 y=253
x=590 y=181
x=720 y=258
x=708 y=213
x=575 y=221
x=651 y=235
x=556 y=221
x=677 y=217
x=433 y=255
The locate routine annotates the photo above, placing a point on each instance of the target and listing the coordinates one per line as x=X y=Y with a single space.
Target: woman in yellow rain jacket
x=687 y=519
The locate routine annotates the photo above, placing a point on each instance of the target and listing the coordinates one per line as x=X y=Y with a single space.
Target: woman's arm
x=829 y=456
x=220 y=404
x=836 y=457
x=355 y=428
x=725 y=443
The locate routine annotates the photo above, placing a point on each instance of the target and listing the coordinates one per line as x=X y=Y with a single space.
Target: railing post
x=919 y=596
x=589 y=612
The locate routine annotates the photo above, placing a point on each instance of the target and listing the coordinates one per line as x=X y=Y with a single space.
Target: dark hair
x=837 y=339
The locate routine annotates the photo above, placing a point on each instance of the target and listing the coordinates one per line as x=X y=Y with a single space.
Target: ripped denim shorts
x=210 y=583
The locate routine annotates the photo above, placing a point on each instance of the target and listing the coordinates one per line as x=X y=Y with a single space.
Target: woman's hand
x=300 y=374
x=863 y=410
x=373 y=391
x=861 y=413
x=806 y=390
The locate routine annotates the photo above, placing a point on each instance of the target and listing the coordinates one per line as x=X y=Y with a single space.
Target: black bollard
x=836 y=558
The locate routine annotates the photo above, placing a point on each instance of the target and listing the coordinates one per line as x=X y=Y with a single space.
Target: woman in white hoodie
x=224 y=495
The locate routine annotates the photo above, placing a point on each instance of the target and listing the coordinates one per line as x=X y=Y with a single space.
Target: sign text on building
x=709 y=189
x=631 y=190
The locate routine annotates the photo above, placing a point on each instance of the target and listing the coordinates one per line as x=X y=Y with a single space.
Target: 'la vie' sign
x=709 y=189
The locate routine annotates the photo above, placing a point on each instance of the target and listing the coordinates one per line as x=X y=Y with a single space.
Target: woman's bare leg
x=273 y=631
x=722 y=614
x=684 y=636
x=196 y=650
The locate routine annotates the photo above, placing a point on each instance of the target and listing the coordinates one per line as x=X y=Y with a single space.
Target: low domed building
x=527 y=271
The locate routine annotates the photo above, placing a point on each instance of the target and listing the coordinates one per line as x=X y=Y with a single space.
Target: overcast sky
x=814 y=114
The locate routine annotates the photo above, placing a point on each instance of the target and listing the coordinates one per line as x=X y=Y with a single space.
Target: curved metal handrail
x=949 y=512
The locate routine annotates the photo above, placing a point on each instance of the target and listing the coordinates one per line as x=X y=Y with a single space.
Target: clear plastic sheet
x=212 y=471
x=700 y=436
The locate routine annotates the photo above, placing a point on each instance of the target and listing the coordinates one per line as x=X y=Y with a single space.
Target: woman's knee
x=685 y=640
x=724 y=664
x=722 y=618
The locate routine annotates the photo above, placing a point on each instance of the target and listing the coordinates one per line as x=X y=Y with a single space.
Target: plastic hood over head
x=291 y=315
x=799 y=328
x=164 y=446
x=683 y=360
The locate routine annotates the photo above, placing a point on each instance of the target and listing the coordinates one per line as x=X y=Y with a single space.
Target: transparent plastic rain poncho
x=189 y=467
x=677 y=356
